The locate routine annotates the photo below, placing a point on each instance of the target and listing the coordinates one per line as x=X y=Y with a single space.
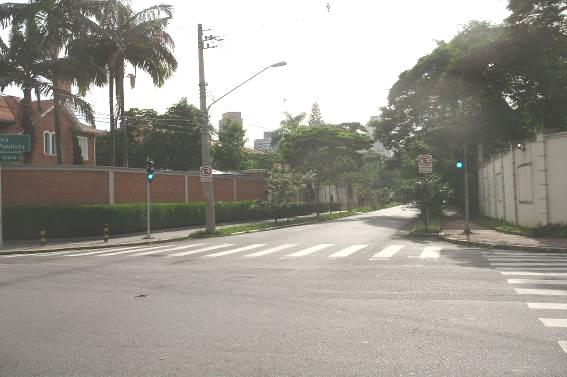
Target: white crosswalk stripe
x=430 y=252
x=554 y=322
x=271 y=250
x=547 y=305
x=536 y=281
x=532 y=273
x=184 y=247
x=347 y=251
x=563 y=345
x=309 y=250
x=387 y=252
x=202 y=250
x=233 y=251
x=82 y=254
x=541 y=292
x=535 y=269
x=131 y=251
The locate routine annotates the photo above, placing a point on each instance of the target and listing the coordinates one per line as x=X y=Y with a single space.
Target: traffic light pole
x=467 y=229
x=205 y=147
x=148 y=231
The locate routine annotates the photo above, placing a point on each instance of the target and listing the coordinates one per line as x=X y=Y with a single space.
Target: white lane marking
x=531 y=273
x=430 y=252
x=232 y=251
x=183 y=253
x=495 y=260
x=309 y=250
x=541 y=292
x=103 y=251
x=348 y=251
x=547 y=305
x=387 y=252
x=132 y=251
x=527 y=255
x=512 y=264
x=563 y=345
x=536 y=281
x=538 y=269
x=271 y=250
x=167 y=250
x=554 y=322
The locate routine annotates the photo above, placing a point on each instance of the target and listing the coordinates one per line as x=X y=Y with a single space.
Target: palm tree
x=40 y=30
x=288 y=126
x=121 y=36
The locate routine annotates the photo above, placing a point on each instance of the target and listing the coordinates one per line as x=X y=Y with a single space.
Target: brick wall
x=57 y=185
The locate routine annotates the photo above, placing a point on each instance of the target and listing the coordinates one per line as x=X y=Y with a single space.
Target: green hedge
x=22 y=223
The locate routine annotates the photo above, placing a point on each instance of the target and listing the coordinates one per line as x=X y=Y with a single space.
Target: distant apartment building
x=378 y=146
x=265 y=144
x=234 y=117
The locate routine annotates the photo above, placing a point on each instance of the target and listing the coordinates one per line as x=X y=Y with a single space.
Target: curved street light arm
x=244 y=82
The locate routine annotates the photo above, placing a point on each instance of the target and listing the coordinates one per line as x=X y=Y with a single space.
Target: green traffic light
x=459 y=165
x=151 y=177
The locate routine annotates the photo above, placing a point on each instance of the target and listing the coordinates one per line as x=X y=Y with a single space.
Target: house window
x=84 y=144
x=49 y=143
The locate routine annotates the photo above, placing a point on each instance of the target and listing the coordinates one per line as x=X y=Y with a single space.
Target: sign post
x=425 y=164
x=11 y=147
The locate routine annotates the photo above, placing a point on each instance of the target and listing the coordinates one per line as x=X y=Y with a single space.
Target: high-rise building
x=234 y=117
x=265 y=144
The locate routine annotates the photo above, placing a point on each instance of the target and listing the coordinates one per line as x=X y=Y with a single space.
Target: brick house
x=43 y=144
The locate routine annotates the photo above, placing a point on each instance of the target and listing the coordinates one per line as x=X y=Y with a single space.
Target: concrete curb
x=489 y=245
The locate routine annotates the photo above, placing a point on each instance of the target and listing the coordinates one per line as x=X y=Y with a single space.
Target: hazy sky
x=345 y=58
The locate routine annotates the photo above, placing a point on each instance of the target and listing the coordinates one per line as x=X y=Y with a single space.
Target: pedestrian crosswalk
x=290 y=251
x=538 y=277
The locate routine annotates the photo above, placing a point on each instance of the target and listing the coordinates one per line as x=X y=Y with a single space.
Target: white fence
x=527 y=185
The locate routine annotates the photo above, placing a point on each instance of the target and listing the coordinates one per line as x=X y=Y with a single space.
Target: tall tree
x=325 y=153
x=315 y=118
x=288 y=126
x=228 y=153
x=29 y=63
x=122 y=36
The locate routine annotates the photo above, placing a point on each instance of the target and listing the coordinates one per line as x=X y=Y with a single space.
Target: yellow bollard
x=106 y=233
x=42 y=236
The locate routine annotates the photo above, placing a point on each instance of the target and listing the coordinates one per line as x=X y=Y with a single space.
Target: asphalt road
x=352 y=297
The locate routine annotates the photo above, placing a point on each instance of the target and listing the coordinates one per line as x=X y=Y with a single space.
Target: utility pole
x=205 y=146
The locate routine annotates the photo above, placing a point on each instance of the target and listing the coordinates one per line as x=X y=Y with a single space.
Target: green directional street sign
x=14 y=143
x=10 y=157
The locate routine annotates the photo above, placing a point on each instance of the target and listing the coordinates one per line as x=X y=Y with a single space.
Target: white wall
x=528 y=185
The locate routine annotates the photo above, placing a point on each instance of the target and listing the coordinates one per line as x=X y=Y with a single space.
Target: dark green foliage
x=89 y=220
x=228 y=154
x=171 y=139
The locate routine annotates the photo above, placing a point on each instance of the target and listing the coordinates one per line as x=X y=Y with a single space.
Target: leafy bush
x=89 y=220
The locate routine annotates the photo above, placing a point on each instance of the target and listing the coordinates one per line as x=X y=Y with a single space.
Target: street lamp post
x=205 y=146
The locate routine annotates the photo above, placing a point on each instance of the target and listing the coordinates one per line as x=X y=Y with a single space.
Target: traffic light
x=459 y=164
x=150 y=174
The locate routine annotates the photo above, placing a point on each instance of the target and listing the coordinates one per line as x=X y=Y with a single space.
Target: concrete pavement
x=348 y=297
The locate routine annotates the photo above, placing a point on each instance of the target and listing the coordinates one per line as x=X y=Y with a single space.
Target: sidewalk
x=454 y=223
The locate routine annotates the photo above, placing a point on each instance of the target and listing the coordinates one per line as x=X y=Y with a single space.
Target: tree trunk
x=120 y=98
x=27 y=122
x=317 y=189
x=338 y=197
x=111 y=112
x=57 y=121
